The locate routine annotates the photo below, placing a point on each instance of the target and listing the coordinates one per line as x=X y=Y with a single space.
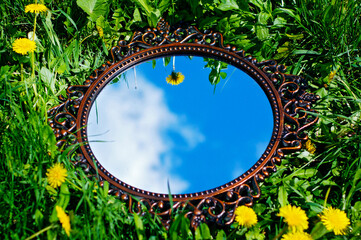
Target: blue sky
x=148 y=132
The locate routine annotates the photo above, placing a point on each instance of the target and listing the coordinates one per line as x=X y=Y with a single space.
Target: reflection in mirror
x=196 y=136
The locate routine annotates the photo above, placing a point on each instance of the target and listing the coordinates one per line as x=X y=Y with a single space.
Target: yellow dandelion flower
x=23 y=46
x=56 y=175
x=100 y=31
x=297 y=236
x=246 y=216
x=175 y=78
x=63 y=219
x=331 y=75
x=36 y=8
x=310 y=147
x=295 y=218
x=335 y=220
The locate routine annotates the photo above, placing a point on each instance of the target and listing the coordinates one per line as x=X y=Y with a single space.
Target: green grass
x=317 y=39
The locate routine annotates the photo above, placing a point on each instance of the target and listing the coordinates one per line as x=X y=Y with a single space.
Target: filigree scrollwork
x=292 y=112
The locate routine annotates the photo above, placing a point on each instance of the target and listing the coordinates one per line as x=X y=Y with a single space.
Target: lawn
x=315 y=193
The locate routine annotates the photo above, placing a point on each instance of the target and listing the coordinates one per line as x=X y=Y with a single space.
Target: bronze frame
x=290 y=102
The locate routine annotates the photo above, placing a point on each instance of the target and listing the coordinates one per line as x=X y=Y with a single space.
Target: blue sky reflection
x=146 y=132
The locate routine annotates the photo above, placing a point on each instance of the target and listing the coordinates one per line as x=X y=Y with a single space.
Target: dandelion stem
x=135 y=78
x=173 y=63
x=85 y=38
x=75 y=186
x=280 y=233
x=33 y=54
x=41 y=231
x=327 y=194
x=22 y=72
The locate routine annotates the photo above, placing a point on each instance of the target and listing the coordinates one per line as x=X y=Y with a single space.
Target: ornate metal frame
x=287 y=94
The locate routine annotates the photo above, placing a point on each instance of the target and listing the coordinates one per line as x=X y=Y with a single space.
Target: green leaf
x=259 y=208
x=223 y=75
x=202 y=232
x=166 y=61
x=318 y=231
x=263 y=18
x=144 y=4
x=94 y=8
x=305 y=173
x=295 y=37
x=105 y=189
x=262 y=32
x=64 y=196
x=357 y=176
x=303 y=52
x=221 y=235
x=48 y=78
x=136 y=15
x=288 y=12
x=139 y=227
x=282 y=196
x=227 y=5
x=38 y=217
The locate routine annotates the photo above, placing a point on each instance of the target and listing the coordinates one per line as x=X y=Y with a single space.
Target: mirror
x=235 y=110
x=194 y=135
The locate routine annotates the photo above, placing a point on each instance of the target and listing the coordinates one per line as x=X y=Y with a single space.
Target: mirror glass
x=193 y=136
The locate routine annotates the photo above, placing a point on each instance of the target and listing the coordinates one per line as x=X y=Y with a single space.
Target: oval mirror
x=192 y=135
x=212 y=138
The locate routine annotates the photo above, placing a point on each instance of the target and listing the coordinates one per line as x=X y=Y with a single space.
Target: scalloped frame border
x=287 y=94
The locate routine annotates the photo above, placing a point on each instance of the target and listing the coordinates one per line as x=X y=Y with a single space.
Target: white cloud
x=135 y=124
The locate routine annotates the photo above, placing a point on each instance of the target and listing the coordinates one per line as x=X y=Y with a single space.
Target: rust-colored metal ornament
x=287 y=94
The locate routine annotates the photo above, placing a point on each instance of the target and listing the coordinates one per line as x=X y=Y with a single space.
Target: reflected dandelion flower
x=36 y=8
x=175 y=78
x=335 y=220
x=56 y=175
x=295 y=218
x=246 y=216
x=297 y=236
x=63 y=219
x=24 y=46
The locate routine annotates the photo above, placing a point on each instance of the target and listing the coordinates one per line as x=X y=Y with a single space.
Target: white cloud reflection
x=135 y=125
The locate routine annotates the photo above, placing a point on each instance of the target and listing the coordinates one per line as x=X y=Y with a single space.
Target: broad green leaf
x=136 y=15
x=163 y=5
x=64 y=196
x=262 y=32
x=290 y=12
x=38 y=217
x=255 y=234
x=145 y=5
x=318 y=231
x=48 y=78
x=139 y=227
x=263 y=18
x=279 y=21
x=202 y=232
x=259 y=208
x=166 y=61
x=227 y=5
x=223 y=75
x=282 y=196
x=221 y=235
x=94 y=8
x=305 y=173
